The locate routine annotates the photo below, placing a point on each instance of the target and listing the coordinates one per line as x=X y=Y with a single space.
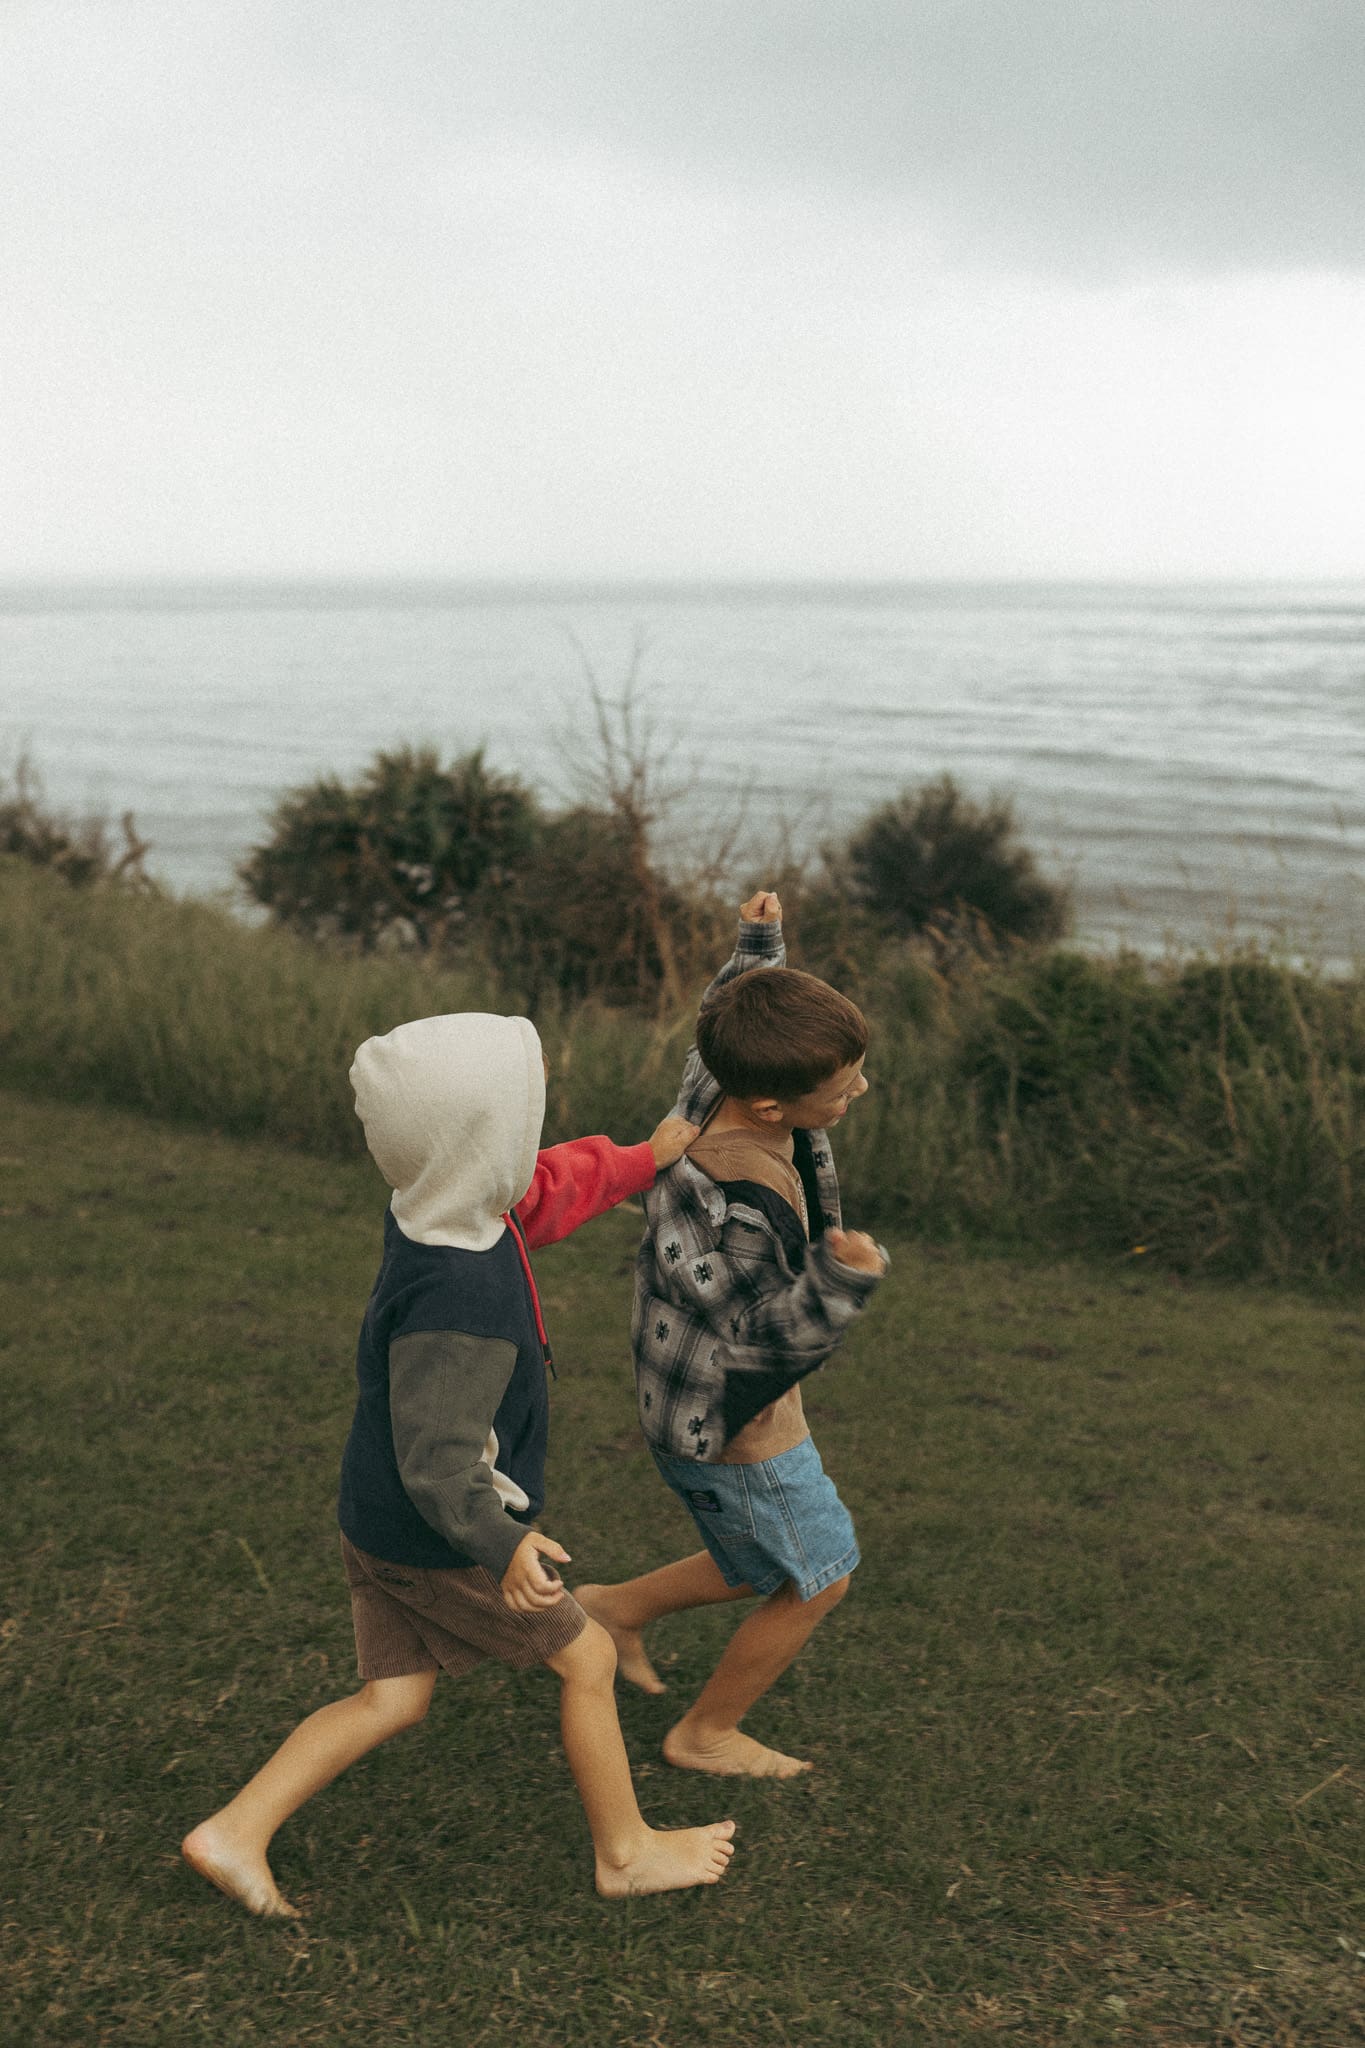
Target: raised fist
x=856 y=1249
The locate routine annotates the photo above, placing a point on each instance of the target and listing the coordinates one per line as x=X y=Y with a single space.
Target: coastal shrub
x=412 y=851
x=1061 y=1101
x=462 y=861
x=585 y=916
x=1054 y=1025
x=180 y=1010
x=935 y=858
x=1212 y=1112
x=1250 y=1003
x=575 y=903
x=81 y=851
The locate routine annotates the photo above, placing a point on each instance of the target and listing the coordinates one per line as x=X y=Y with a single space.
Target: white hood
x=452 y=1109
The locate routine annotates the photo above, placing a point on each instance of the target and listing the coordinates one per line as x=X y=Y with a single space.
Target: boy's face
x=827 y=1102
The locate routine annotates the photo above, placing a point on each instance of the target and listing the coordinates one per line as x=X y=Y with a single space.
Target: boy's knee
x=590 y=1658
x=788 y=1594
x=832 y=1594
x=400 y=1702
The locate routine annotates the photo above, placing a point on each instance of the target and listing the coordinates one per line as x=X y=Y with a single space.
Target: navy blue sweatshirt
x=449 y=1337
x=445 y=1463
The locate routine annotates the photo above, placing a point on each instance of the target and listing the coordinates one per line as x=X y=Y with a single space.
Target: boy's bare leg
x=630 y=1855
x=708 y=1737
x=625 y=1609
x=230 y=1847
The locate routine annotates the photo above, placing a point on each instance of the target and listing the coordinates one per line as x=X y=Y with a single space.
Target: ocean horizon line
x=339 y=590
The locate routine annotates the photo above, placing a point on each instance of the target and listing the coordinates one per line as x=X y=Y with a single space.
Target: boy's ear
x=766 y=1109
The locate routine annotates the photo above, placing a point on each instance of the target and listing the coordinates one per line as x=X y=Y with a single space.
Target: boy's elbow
x=447 y=1502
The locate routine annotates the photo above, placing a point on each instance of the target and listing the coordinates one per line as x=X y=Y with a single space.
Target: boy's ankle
x=622 y=1850
x=697 y=1728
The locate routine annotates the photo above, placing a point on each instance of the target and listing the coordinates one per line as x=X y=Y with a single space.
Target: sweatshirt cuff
x=638 y=1171
x=498 y=1548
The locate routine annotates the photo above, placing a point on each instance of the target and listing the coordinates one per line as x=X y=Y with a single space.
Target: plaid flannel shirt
x=723 y=1323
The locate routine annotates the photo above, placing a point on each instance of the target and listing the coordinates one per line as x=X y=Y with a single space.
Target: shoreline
x=1187 y=759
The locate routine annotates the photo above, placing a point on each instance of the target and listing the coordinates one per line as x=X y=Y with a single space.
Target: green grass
x=1088 y=1728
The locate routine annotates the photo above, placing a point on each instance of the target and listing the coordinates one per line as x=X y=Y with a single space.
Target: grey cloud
x=1074 y=136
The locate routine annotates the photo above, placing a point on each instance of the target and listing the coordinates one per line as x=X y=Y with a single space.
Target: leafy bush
x=460 y=859
x=935 y=858
x=413 y=850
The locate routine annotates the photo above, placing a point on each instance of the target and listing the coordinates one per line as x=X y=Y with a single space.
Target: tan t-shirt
x=768 y=1157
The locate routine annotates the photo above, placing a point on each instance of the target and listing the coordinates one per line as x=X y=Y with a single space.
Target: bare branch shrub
x=80 y=850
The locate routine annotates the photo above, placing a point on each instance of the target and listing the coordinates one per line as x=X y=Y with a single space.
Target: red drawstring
x=511 y=1221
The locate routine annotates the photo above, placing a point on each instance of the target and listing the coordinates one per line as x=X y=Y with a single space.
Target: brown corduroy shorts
x=409 y=1620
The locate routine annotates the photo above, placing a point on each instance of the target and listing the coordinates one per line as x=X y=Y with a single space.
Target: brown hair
x=775 y=1031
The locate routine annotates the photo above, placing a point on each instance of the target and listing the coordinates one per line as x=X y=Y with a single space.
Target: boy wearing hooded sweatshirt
x=443 y=1471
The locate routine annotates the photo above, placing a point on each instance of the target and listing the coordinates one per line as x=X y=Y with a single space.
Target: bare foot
x=244 y=1876
x=734 y=1755
x=669 y=1860
x=631 y=1660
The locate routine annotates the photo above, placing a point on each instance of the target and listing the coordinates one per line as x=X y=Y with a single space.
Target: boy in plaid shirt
x=747 y=1281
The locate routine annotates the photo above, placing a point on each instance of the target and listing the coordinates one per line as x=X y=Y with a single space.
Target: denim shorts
x=766 y=1523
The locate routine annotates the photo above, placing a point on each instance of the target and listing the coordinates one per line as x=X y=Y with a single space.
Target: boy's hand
x=856 y=1249
x=528 y=1584
x=762 y=909
x=671 y=1140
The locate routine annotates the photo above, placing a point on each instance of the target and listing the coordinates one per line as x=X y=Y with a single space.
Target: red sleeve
x=575 y=1181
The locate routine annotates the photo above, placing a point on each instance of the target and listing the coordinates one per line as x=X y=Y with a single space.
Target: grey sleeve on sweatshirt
x=444 y=1390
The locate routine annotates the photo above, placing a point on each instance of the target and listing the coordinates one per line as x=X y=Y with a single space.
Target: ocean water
x=1191 y=760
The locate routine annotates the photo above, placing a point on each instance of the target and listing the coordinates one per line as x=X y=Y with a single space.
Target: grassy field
x=1088 y=1730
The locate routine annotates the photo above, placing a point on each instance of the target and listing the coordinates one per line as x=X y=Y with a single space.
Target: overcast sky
x=736 y=288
